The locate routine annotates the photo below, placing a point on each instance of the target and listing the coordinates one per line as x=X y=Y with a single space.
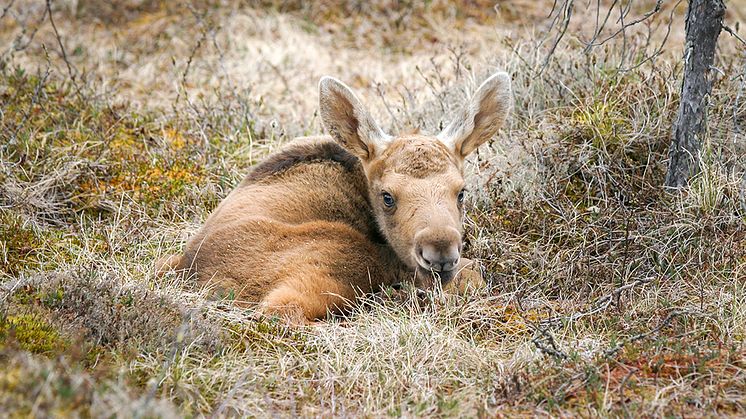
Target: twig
x=565 y=24
x=600 y=304
x=600 y=28
x=34 y=100
x=644 y=17
x=564 y=15
x=6 y=8
x=733 y=33
x=545 y=338
x=432 y=87
x=204 y=23
x=17 y=46
x=192 y=54
x=379 y=90
x=658 y=51
x=738 y=97
x=62 y=50
x=635 y=338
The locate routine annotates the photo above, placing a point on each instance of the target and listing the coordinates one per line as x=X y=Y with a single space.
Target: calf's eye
x=461 y=196
x=388 y=200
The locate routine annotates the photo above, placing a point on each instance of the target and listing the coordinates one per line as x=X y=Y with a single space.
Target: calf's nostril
x=438 y=257
x=421 y=254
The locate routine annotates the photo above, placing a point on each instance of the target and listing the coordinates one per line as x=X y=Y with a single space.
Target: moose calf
x=327 y=218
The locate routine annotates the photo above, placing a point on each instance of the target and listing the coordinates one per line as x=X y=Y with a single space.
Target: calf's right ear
x=481 y=118
x=348 y=122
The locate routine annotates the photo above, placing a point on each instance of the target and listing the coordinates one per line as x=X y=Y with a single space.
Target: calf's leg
x=307 y=297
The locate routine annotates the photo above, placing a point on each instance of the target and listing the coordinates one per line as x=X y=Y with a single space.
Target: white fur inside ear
x=482 y=117
x=347 y=120
x=460 y=127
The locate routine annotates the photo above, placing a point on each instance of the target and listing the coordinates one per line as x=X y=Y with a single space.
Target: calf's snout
x=438 y=250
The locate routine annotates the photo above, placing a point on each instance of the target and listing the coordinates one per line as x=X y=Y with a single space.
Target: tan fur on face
x=424 y=177
x=414 y=155
x=307 y=231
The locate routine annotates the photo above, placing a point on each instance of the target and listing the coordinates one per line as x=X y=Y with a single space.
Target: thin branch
x=733 y=33
x=379 y=90
x=6 y=8
x=34 y=99
x=70 y=70
x=565 y=24
x=599 y=29
x=17 y=45
x=599 y=305
x=658 y=51
x=185 y=74
x=644 y=17
x=673 y=314
x=544 y=341
x=738 y=97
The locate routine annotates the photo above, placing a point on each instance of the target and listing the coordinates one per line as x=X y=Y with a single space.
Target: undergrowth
x=608 y=295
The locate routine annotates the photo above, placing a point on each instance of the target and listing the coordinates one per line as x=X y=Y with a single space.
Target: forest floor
x=121 y=128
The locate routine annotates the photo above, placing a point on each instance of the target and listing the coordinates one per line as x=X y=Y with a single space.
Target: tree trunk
x=703 y=23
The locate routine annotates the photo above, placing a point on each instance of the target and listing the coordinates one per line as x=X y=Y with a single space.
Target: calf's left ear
x=480 y=120
x=348 y=122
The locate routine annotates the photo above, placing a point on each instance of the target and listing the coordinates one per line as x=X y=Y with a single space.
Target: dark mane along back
x=300 y=154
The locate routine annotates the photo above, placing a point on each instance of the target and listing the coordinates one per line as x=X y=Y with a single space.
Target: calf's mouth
x=427 y=279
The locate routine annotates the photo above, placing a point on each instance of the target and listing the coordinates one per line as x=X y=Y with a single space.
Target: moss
x=267 y=335
x=19 y=243
x=602 y=123
x=31 y=333
x=25 y=246
x=105 y=153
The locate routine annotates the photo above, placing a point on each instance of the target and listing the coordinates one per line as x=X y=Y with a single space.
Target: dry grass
x=608 y=295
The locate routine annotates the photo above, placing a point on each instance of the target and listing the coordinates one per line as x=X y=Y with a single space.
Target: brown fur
x=307 y=231
x=303 y=153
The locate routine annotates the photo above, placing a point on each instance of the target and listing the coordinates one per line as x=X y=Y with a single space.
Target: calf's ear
x=480 y=120
x=348 y=122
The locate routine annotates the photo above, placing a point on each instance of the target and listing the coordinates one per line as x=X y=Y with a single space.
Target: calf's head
x=416 y=182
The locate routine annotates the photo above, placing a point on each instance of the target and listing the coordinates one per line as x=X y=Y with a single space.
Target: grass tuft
x=608 y=295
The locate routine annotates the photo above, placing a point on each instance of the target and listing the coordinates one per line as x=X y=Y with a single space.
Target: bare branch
x=600 y=28
x=738 y=97
x=544 y=341
x=659 y=50
x=567 y=11
x=70 y=71
x=599 y=305
x=34 y=99
x=671 y=315
x=185 y=74
x=733 y=33
x=6 y=8
x=379 y=90
x=644 y=17
x=17 y=45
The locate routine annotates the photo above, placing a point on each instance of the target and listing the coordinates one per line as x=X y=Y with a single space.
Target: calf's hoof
x=469 y=277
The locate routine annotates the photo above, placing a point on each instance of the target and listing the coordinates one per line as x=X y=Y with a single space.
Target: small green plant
x=710 y=187
x=32 y=333
x=601 y=122
x=19 y=243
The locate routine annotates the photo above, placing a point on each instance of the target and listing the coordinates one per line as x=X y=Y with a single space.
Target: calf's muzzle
x=438 y=250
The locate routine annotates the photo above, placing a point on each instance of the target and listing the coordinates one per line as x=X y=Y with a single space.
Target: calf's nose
x=438 y=251
x=439 y=259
